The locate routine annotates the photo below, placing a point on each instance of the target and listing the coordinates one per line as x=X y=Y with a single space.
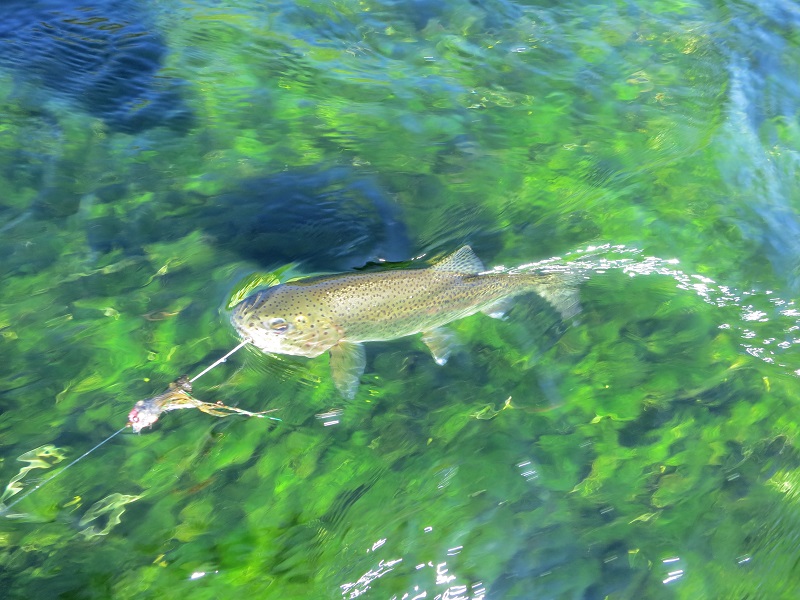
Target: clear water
x=646 y=449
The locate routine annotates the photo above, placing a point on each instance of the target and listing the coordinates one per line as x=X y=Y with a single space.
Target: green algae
x=546 y=459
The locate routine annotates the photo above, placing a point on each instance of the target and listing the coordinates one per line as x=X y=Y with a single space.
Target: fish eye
x=278 y=325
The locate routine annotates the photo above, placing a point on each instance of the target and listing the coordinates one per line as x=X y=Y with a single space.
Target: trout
x=337 y=313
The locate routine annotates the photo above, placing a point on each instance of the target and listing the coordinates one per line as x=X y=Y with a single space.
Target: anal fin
x=441 y=342
x=347 y=365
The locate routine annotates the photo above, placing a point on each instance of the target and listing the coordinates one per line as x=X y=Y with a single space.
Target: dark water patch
x=326 y=219
x=104 y=56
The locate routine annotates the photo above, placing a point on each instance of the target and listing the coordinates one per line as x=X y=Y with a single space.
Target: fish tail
x=561 y=291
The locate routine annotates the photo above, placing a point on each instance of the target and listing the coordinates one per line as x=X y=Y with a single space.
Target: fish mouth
x=300 y=343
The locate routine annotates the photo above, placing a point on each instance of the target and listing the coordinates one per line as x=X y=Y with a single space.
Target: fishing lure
x=146 y=412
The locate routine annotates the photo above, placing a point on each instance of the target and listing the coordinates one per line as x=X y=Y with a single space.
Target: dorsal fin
x=462 y=260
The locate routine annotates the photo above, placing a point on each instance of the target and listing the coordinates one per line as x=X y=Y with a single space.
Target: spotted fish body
x=337 y=313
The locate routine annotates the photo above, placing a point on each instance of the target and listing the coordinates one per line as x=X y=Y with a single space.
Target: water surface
x=646 y=449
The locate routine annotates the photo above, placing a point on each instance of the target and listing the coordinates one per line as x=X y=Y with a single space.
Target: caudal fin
x=561 y=291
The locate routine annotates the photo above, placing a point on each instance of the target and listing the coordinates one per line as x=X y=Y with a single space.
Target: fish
x=338 y=313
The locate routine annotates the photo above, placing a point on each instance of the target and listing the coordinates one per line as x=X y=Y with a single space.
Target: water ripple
x=767 y=323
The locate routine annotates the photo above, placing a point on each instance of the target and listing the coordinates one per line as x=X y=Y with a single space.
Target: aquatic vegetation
x=43 y=457
x=647 y=450
x=109 y=508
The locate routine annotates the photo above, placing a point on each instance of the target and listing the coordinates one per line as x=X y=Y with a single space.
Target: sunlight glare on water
x=442 y=582
x=601 y=259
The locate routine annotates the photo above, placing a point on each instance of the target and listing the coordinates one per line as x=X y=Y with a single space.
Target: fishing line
x=7 y=507
x=219 y=361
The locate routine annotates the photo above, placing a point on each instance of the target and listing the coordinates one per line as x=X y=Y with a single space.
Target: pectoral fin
x=347 y=365
x=441 y=343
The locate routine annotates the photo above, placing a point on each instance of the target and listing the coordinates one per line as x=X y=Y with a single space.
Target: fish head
x=282 y=320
